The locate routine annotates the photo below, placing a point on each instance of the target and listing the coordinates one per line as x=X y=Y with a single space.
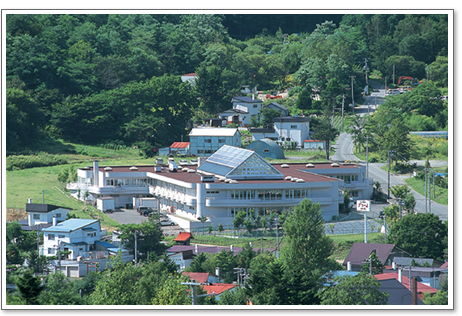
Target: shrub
x=42 y=159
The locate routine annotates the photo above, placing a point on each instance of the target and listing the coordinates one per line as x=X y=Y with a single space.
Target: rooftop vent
x=335 y=165
x=191 y=171
x=288 y=178
x=157 y=168
x=108 y=169
x=294 y=179
x=233 y=181
x=205 y=178
x=227 y=180
x=185 y=169
x=309 y=165
x=86 y=168
x=300 y=180
x=285 y=166
x=133 y=168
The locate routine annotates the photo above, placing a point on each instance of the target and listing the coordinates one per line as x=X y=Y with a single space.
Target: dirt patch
x=14 y=215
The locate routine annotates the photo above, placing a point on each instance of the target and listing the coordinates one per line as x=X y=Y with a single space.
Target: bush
x=42 y=159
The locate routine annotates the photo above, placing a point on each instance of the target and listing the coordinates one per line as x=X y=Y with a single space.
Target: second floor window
x=36 y=216
x=51 y=236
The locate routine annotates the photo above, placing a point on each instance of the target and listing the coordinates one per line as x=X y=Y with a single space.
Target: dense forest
x=115 y=78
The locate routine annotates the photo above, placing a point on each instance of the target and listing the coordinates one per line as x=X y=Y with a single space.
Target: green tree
x=226 y=262
x=323 y=130
x=148 y=234
x=373 y=265
x=59 y=290
x=245 y=256
x=172 y=292
x=440 y=298
x=305 y=255
x=398 y=140
x=422 y=235
x=361 y=289
x=29 y=287
x=197 y=263
x=267 y=116
x=236 y=296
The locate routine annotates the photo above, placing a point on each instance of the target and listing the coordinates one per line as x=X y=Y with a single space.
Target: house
x=182 y=148
x=360 y=252
x=183 y=238
x=216 y=122
x=206 y=141
x=190 y=78
x=202 y=277
x=267 y=148
x=313 y=144
x=261 y=133
x=274 y=105
x=421 y=288
x=292 y=129
x=218 y=289
x=243 y=109
x=41 y=215
x=76 y=236
x=182 y=259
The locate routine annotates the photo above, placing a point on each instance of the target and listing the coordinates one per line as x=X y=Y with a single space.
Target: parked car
x=109 y=210
x=167 y=222
x=142 y=209
x=183 y=162
x=193 y=162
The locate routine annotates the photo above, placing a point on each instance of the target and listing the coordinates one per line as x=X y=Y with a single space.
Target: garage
x=73 y=272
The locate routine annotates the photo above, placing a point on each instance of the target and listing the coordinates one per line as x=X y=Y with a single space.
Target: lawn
x=441 y=195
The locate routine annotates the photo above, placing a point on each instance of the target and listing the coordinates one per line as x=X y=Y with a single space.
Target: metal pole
x=277 y=240
x=136 y=250
x=343 y=102
x=384 y=229
x=365 y=227
x=352 y=93
x=429 y=196
x=367 y=157
x=388 y=175
x=426 y=191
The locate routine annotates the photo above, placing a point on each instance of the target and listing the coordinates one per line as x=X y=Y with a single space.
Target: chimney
x=195 y=248
x=393 y=265
x=253 y=97
x=217 y=271
x=413 y=287
x=231 y=247
x=54 y=220
x=29 y=201
x=95 y=173
x=400 y=275
x=349 y=266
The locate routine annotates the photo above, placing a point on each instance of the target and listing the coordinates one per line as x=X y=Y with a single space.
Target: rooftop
x=359 y=252
x=43 y=208
x=218 y=288
x=199 y=277
x=213 y=131
x=180 y=145
x=245 y=99
x=292 y=119
x=70 y=225
x=183 y=236
x=421 y=288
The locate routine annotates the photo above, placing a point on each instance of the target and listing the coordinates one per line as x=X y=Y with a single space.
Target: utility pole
x=343 y=103
x=193 y=285
x=43 y=196
x=352 y=93
x=367 y=156
x=388 y=194
x=136 y=250
x=426 y=191
x=365 y=68
x=393 y=74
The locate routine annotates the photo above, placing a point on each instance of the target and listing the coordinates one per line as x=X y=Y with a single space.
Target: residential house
x=421 y=288
x=41 y=215
x=262 y=133
x=203 y=278
x=274 y=105
x=267 y=148
x=292 y=129
x=206 y=141
x=182 y=259
x=215 y=122
x=360 y=252
x=243 y=109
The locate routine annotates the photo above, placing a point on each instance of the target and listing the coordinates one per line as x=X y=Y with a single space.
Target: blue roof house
x=76 y=236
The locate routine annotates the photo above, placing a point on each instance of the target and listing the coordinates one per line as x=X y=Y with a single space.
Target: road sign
x=363 y=205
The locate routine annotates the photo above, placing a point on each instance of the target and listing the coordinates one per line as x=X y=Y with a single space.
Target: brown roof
x=199 y=277
x=359 y=252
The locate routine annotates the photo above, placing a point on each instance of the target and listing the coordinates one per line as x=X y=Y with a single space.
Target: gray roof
x=292 y=119
x=398 y=293
x=42 y=208
x=402 y=261
x=275 y=151
x=246 y=100
x=262 y=130
x=278 y=106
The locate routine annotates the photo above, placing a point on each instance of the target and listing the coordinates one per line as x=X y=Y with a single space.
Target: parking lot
x=130 y=216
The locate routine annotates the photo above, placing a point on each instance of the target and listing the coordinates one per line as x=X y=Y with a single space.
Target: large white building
x=292 y=129
x=207 y=140
x=230 y=180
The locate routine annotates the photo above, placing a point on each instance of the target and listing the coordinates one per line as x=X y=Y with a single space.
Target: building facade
x=292 y=129
x=206 y=141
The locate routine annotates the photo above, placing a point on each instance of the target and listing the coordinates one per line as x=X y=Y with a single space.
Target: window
x=354 y=193
x=266 y=150
x=51 y=251
x=51 y=236
x=293 y=126
x=61 y=236
x=58 y=215
x=36 y=216
x=110 y=182
x=255 y=106
x=207 y=141
x=221 y=140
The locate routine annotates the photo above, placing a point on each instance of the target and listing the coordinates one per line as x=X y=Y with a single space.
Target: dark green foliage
x=41 y=159
x=373 y=265
x=29 y=287
x=197 y=263
x=422 y=235
x=226 y=261
x=59 y=290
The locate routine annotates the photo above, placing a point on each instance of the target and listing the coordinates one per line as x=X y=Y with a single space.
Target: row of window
x=220 y=141
x=268 y=195
x=52 y=236
x=262 y=211
x=347 y=178
x=120 y=182
x=37 y=216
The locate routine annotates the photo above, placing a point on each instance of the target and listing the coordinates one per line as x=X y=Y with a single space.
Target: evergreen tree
x=29 y=287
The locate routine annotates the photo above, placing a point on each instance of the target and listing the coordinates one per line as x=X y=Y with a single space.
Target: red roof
x=444 y=265
x=180 y=145
x=199 y=277
x=218 y=288
x=183 y=237
x=189 y=75
x=421 y=288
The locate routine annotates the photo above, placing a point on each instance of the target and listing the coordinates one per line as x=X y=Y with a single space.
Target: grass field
x=441 y=195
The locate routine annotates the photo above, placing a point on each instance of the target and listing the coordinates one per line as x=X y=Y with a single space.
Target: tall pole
x=365 y=227
x=343 y=103
x=367 y=157
x=426 y=191
x=136 y=250
x=352 y=92
x=365 y=68
x=43 y=196
x=429 y=195
x=388 y=194
x=393 y=74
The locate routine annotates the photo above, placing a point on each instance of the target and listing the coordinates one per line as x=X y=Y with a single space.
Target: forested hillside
x=111 y=78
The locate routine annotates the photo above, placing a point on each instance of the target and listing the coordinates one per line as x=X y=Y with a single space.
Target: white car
x=167 y=222
x=183 y=162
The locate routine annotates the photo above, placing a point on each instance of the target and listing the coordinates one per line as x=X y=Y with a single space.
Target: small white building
x=243 y=109
x=313 y=144
x=292 y=129
x=38 y=214
x=190 y=78
x=205 y=141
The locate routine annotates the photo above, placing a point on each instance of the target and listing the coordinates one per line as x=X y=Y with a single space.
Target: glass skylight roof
x=238 y=163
